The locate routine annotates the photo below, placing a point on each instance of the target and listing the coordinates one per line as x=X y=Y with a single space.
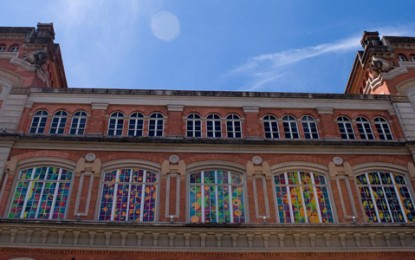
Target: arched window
x=233 y=126
x=402 y=57
x=14 y=48
x=290 y=127
x=302 y=197
x=2 y=48
x=345 y=128
x=193 y=126
x=116 y=124
x=213 y=126
x=78 y=123
x=413 y=57
x=385 y=197
x=365 y=130
x=57 y=126
x=271 y=127
x=39 y=122
x=129 y=195
x=216 y=196
x=383 y=129
x=41 y=193
x=309 y=127
x=156 y=125
x=136 y=124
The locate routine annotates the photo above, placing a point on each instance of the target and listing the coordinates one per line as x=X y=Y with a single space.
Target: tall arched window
x=233 y=126
x=365 y=130
x=345 y=128
x=156 y=125
x=57 y=126
x=116 y=124
x=216 y=196
x=129 y=195
x=302 y=197
x=383 y=129
x=39 y=122
x=290 y=127
x=41 y=193
x=271 y=127
x=309 y=127
x=78 y=123
x=402 y=57
x=213 y=126
x=136 y=124
x=193 y=126
x=385 y=197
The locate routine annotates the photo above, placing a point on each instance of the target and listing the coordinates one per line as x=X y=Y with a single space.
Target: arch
x=402 y=57
x=270 y=124
x=213 y=126
x=125 y=163
x=364 y=128
x=219 y=164
x=14 y=48
x=193 y=125
x=289 y=123
x=299 y=165
x=309 y=127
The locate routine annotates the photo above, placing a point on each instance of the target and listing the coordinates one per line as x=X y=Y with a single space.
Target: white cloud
x=264 y=69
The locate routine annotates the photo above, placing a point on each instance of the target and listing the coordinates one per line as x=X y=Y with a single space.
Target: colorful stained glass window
x=302 y=197
x=385 y=197
x=41 y=193
x=216 y=196
x=129 y=195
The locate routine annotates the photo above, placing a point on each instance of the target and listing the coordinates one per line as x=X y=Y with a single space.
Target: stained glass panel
x=302 y=197
x=216 y=197
x=385 y=198
x=129 y=195
x=41 y=193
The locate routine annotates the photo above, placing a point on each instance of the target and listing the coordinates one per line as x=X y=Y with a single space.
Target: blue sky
x=239 y=45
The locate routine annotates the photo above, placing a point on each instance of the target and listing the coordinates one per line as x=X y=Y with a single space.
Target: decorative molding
x=175 y=108
x=325 y=110
x=100 y=106
x=251 y=109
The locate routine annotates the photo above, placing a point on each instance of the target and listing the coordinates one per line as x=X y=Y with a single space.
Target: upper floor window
x=57 y=126
x=309 y=127
x=302 y=197
x=78 y=123
x=2 y=48
x=193 y=126
x=365 y=130
x=216 y=196
x=345 y=128
x=116 y=124
x=136 y=124
x=233 y=126
x=290 y=127
x=383 y=129
x=14 y=48
x=156 y=125
x=39 y=122
x=129 y=195
x=41 y=193
x=402 y=57
x=413 y=57
x=385 y=197
x=213 y=126
x=271 y=127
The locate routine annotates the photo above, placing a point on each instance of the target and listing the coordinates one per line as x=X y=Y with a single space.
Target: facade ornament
x=381 y=65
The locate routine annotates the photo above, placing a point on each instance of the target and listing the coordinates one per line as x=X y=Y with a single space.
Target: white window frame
x=117 y=128
x=290 y=127
x=270 y=122
x=233 y=121
x=215 y=121
x=383 y=128
x=194 y=126
x=155 y=120
x=344 y=124
x=308 y=122
x=364 y=128
x=79 y=118
x=133 y=124
x=42 y=118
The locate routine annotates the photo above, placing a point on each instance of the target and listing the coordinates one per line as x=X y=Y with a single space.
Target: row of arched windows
x=364 y=127
x=11 y=48
x=214 y=196
x=402 y=57
x=212 y=123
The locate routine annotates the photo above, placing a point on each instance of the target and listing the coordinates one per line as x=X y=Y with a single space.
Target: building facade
x=105 y=173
